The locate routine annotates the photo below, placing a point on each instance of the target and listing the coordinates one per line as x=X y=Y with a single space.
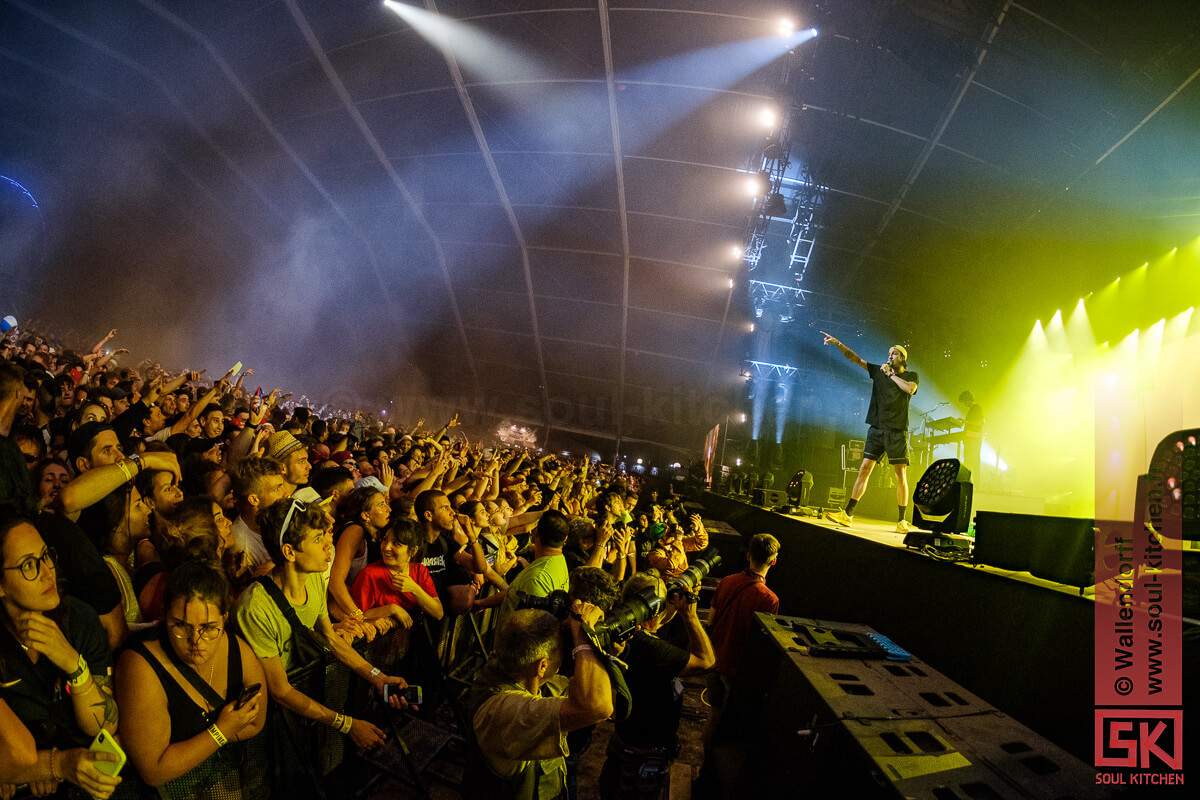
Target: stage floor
x=884 y=532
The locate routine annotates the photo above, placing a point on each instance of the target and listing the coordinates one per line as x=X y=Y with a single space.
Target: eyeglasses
x=31 y=568
x=209 y=631
x=287 y=519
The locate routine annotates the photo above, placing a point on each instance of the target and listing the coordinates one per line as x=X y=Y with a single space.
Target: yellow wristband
x=217 y=736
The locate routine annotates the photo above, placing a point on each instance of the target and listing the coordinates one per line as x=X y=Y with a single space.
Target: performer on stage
x=892 y=387
x=972 y=433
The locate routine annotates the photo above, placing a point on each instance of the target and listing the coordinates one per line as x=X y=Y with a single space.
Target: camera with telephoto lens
x=622 y=620
x=557 y=603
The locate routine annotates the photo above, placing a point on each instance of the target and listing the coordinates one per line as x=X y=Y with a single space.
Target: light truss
x=764 y=369
x=784 y=301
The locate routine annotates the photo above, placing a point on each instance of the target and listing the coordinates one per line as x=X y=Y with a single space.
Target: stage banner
x=710 y=453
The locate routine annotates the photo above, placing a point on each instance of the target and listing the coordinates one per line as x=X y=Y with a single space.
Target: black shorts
x=883 y=440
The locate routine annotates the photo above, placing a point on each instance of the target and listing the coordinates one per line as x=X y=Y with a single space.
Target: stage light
x=768 y=118
x=737 y=462
x=737 y=251
x=752 y=327
x=742 y=417
x=799 y=487
x=813 y=32
x=942 y=499
x=786 y=27
x=731 y=283
x=639 y=461
x=754 y=186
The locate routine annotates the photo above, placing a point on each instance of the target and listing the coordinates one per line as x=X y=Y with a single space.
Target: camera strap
x=622 y=697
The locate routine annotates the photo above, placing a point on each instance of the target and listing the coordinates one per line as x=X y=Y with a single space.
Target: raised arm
x=846 y=351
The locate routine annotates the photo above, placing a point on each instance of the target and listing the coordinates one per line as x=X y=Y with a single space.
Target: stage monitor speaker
x=942 y=499
x=816 y=710
x=768 y=498
x=1060 y=549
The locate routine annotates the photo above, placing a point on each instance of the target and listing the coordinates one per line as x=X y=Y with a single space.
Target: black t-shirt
x=973 y=422
x=456 y=575
x=439 y=560
x=80 y=566
x=35 y=692
x=889 y=403
x=16 y=485
x=654 y=685
x=434 y=560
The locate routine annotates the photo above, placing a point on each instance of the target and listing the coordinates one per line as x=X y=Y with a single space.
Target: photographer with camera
x=520 y=718
x=641 y=750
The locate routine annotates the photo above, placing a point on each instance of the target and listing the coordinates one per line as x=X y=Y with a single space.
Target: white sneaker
x=840 y=517
x=903 y=527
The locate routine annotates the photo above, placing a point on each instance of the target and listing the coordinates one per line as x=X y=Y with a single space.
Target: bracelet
x=338 y=720
x=137 y=460
x=80 y=675
x=581 y=648
x=376 y=672
x=347 y=723
x=217 y=736
x=125 y=471
x=54 y=776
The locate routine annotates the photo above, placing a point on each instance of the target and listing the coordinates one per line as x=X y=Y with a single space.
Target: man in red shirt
x=737 y=599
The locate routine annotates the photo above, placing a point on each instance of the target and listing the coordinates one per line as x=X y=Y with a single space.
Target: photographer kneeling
x=520 y=719
x=641 y=750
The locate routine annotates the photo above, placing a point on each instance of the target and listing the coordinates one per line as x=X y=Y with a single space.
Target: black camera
x=620 y=623
x=698 y=566
x=557 y=603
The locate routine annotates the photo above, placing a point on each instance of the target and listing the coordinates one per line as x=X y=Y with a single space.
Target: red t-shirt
x=733 y=606
x=373 y=587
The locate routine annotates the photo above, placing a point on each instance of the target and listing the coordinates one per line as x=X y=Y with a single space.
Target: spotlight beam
x=502 y=192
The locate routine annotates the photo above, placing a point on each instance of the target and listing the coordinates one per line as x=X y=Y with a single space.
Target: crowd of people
x=176 y=551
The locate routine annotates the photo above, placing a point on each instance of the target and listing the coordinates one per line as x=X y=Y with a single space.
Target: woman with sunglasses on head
x=54 y=666
x=190 y=684
x=297 y=537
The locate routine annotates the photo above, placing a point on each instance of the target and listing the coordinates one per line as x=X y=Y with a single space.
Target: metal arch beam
x=636 y=351
x=502 y=192
x=619 y=167
x=159 y=84
x=215 y=54
x=372 y=141
x=932 y=142
x=541 y=82
x=585 y=252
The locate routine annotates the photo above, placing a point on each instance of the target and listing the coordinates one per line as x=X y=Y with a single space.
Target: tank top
x=188 y=718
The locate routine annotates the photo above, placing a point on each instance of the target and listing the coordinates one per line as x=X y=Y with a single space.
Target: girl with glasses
x=182 y=682
x=54 y=666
